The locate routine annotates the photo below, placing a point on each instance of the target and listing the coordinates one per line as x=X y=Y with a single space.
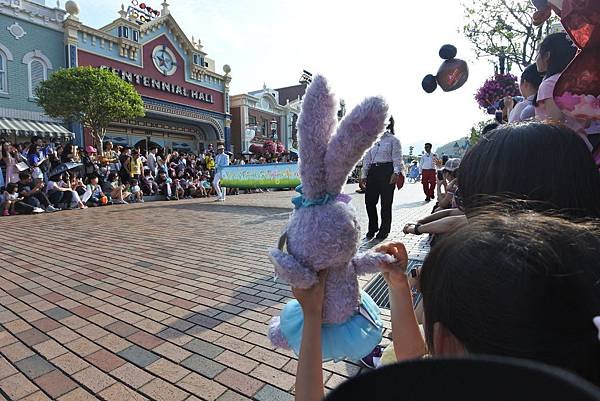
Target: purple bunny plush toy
x=323 y=232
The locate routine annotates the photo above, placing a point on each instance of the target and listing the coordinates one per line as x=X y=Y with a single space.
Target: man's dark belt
x=382 y=164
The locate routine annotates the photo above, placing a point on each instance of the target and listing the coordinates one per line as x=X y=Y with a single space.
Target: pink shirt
x=545 y=91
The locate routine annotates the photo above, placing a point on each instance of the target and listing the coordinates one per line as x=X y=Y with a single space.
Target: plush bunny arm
x=355 y=135
x=315 y=126
x=368 y=262
x=289 y=270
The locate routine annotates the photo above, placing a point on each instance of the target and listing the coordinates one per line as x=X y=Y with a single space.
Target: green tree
x=504 y=29
x=475 y=132
x=91 y=96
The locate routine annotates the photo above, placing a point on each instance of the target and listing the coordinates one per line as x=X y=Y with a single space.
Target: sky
x=364 y=48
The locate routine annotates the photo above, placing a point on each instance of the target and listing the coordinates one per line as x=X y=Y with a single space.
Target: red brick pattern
x=157 y=301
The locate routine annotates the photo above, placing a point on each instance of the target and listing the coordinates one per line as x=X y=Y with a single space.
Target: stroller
x=414 y=175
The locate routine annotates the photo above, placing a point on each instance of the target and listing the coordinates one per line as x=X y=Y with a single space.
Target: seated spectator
x=10 y=199
x=77 y=184
x=522 y=286
x=94 y=196
x=147 y=183
x=37 y=158
x=33 y=194
x=164 y=183
x=117 y=190
x=177 y=190
x=205 y=181
x=449 y=173
x=200 y=188
x=61 y=194
x=136 y=192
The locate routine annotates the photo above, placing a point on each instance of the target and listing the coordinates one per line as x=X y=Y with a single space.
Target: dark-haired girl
x=554 y=55
x=529 y=85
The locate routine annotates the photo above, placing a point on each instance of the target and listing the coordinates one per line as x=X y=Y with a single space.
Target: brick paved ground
x=165 y=301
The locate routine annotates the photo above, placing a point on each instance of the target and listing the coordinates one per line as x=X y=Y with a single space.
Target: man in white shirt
x=382 y=166
x=221 y=160
x=427 y=165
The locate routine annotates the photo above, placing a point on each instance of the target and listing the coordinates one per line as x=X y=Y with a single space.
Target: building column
x=227 y=108
x=227 y=133
x=72 y=26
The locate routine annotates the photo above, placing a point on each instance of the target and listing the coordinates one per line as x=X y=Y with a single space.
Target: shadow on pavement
x=215 y=207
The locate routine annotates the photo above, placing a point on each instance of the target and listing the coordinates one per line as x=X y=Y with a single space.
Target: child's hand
x=394 y=273
x=311 y=299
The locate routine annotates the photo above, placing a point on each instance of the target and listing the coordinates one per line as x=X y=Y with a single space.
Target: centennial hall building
x=186 y=100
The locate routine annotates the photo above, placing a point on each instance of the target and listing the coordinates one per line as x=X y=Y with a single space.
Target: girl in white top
x=11 y=197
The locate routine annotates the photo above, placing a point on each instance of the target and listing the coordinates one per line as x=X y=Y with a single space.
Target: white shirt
x=387 y=150
x=427 y=161
x=524 y=110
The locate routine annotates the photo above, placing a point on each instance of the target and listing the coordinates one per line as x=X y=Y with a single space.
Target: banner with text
x=275 y=175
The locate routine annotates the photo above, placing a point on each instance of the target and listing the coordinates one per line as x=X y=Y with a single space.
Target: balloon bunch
x=141 y=12
x=149 y=9
x=452 y=74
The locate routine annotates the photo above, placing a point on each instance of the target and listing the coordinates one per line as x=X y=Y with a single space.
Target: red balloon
x=577 y=92
x=452 y=74
x=143 y=6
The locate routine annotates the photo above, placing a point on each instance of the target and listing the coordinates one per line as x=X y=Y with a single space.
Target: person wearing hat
x=449 y=174
x=89 y=162
x=221 y=160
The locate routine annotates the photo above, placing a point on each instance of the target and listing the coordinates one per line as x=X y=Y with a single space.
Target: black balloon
x=448 y=51
x=452 y=74
x=429 y=83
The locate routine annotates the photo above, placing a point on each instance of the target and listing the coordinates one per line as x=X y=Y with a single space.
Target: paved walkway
x=165 y=301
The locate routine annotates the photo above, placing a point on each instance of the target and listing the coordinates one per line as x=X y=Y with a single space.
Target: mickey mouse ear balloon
x=452 y=74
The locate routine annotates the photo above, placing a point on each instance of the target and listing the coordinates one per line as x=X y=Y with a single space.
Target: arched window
x=5 y=57
x=37 y=66
x=38 y=72
x=3 y=72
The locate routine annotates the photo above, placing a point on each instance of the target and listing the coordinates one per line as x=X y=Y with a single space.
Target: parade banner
x=273 y=175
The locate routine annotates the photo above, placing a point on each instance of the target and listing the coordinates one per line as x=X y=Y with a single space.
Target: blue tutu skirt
x=353 y=339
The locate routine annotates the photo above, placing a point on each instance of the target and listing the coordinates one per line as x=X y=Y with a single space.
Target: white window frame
x=6 y=56
x=36 y=55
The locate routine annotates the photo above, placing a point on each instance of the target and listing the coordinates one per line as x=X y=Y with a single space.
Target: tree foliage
x=92 y=96
x=477 y=129
x=504 y=28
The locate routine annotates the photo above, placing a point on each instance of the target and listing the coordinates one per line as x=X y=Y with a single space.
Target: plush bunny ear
x=315 y=126
x=355 y=135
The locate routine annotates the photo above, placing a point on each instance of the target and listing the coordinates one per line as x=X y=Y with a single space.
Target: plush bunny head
x=323 y=231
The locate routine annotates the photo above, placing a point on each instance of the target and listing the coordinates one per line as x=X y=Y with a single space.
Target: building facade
x=31 y=48
x=186 y=101
x=267 y=114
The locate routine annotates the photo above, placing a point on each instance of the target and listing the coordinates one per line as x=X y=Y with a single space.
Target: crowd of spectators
x=42 y=177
